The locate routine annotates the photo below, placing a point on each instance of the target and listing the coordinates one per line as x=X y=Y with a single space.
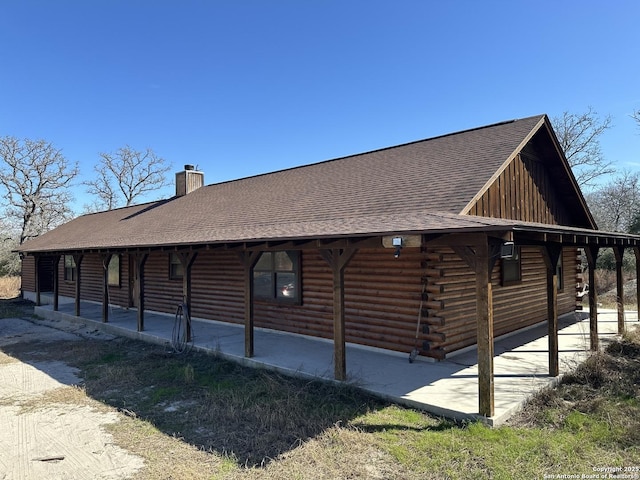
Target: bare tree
x=126 y=175
x=579 y=136
x=9 y=260
x=34 y=177
x=615 y=204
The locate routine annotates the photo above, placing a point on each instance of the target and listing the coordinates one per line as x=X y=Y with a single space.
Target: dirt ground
x=41 y=437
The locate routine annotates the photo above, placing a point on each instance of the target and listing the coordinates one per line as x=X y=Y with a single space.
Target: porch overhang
x=476 y=237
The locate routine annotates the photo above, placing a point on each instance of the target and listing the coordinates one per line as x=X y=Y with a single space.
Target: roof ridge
x=368 y=152
x=126 y=206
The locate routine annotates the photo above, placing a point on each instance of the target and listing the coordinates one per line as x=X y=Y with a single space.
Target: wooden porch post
x=105 y=287
x=338 y=260
x=551 y=253
x=77 y=258
x=37 y=259
x=249 y=260
x=618 y=251
x=591 y=252
x=140 y=260
x=481 y=260
x=56 y=283
x=187 y=259
x=484 y=320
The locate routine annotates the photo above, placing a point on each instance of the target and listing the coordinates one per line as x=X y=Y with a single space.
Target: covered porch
x=477 y=241
x=448 y=388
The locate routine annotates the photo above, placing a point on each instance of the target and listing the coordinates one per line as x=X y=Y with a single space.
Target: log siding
x=515 y=306
x=382 y=295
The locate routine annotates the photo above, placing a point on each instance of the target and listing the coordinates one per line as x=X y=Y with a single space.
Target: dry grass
x=196 y=416
x=71 y=395
x=218 y=415
x=607 y=385
x=9 y=287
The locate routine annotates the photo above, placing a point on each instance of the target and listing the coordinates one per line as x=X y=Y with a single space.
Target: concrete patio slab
x=448 y=388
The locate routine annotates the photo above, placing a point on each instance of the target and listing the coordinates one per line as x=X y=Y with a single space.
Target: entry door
x=45 y=273
x=134 y=282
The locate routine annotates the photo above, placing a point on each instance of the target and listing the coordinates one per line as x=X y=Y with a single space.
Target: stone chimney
x=188 y=180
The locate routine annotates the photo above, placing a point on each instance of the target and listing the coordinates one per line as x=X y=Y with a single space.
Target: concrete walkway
x=448 y=388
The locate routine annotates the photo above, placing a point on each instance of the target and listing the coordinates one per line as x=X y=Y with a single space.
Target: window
x=276 y=276
x=69 y=268
x=113 y=271
x=559 y=274
x=176 y=272
x=511 y=268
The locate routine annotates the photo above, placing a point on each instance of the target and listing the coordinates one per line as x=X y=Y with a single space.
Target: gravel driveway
x=42 y=438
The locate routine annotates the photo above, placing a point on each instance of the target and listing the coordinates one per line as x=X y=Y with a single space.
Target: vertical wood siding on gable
x=523 y=191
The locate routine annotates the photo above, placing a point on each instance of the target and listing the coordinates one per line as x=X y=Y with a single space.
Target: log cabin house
x=474 y=234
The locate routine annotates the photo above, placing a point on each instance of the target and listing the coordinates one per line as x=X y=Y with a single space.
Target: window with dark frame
x=276 y=277
x=176 y=272
x=69 y=268
x=113 y=271
x=511 y=272
x=559 y=275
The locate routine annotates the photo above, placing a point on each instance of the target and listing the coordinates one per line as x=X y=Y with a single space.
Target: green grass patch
x=163 y=394
x=111 y=357
x=475 y=450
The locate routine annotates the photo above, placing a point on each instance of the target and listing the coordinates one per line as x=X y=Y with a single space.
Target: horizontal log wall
x=217 y=290
x=382 y=297
x=28 y=274
x=119 y=294
x=67 y=288
x=315 y=315
x=91 y=278
x=161 y=293
x=381 y=301
x=514 y=306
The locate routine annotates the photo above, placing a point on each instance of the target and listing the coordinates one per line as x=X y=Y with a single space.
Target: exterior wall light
x=397 y=242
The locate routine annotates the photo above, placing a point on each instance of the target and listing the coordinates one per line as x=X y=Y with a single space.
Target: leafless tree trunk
x=126 y=175
x=615 y=204
x=579 y=136
x=34 y=177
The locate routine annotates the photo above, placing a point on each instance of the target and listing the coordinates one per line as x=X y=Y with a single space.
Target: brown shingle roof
x=419 y=186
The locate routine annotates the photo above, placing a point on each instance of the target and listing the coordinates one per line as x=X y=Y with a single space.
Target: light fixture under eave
x=397 y=242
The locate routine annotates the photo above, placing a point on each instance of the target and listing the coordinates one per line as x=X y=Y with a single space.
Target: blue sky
x=245 y=87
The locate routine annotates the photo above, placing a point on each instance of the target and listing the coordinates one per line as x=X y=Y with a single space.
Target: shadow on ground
x=248 y=414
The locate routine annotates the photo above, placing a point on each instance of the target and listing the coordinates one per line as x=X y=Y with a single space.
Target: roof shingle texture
x=418 y=186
